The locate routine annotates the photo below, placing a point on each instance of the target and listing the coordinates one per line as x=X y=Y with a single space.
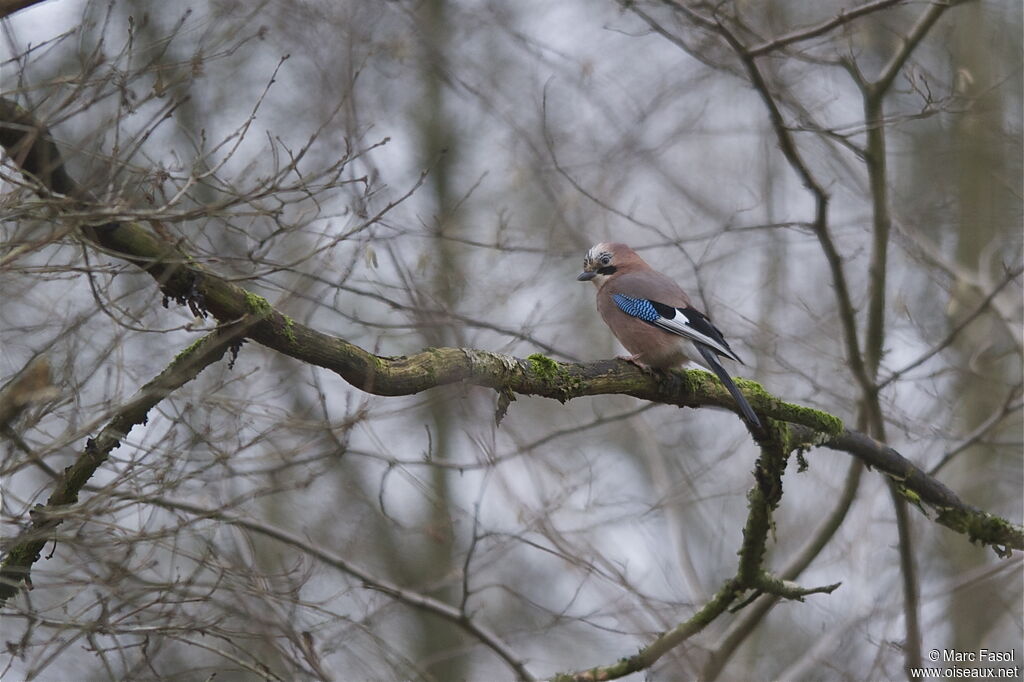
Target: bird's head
x=605 y=260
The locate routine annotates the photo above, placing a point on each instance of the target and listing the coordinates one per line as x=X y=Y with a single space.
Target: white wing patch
x=680 y=325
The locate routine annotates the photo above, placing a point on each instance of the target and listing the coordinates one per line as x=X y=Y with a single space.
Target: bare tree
x=298 y=384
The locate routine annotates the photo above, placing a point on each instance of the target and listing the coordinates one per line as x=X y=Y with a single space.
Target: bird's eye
x=606 y=259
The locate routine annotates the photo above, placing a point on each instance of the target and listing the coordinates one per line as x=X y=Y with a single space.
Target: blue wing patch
x=636 y=307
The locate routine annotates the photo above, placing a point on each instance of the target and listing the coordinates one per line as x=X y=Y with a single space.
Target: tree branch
x=370 y=581
x=763 y=498
x=845 y=16
x=23 y=551
x=847 y=313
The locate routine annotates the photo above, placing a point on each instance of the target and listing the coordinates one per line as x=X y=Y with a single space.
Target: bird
x=654 y=319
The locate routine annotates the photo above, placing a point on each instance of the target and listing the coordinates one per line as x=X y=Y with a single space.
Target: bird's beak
x=585 y=276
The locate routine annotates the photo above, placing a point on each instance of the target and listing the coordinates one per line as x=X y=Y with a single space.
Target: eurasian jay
x=653 y=318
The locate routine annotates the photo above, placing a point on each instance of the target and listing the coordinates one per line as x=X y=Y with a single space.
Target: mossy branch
x=750 y=576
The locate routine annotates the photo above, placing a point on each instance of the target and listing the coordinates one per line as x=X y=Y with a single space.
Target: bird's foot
x=635 y=361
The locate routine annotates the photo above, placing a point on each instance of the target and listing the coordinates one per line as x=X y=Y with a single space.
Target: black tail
x=748 y=413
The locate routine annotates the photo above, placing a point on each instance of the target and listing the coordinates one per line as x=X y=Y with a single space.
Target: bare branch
x=458 y=616
x=844 y=17
x=24 y=550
